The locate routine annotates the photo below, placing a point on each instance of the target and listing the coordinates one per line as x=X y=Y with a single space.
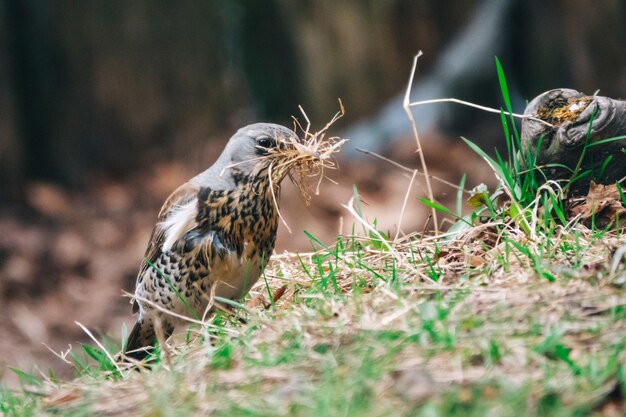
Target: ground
x=498 y=319
x=68 y=256
x=429 y=327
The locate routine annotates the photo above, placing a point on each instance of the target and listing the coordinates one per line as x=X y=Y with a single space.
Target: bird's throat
x=244 y=218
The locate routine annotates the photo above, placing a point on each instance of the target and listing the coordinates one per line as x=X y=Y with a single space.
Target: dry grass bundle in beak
x=305 y=160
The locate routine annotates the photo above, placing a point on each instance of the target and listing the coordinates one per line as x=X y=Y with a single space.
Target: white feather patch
x=179 y=221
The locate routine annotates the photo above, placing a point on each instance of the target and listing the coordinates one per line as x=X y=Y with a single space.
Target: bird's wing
x=175 y=219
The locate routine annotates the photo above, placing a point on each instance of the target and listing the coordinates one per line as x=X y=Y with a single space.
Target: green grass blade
x=499 y=170
x=436 y=206
x=604 y=141
x=575 y=176
x=503 y=86
x=316 y=241
x=99 y=356
x=558 y=209
x=621 y=193
x=492 y=163
x=605 y=164
x=507 y=137
x=518 y=214
x=26 y=378
x=507 y=99
x=440 y=208
x=510 y=182
x=267 y=285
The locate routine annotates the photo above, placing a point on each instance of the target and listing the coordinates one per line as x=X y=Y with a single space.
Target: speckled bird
x=214 y=235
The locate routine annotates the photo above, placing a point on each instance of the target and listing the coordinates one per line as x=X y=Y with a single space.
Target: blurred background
x=106 y=107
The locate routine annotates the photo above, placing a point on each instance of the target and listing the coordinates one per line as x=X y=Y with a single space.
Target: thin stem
x=407 y=109
x=477 y=106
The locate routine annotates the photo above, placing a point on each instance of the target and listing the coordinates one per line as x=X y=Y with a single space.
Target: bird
x=214 y=235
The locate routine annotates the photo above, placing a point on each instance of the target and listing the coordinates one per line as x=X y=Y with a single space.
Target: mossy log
x=581 y=125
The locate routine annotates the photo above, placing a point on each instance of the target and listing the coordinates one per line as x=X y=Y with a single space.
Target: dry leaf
x=602 y=202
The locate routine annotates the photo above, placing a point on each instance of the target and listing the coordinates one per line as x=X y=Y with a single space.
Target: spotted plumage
x=214 y=235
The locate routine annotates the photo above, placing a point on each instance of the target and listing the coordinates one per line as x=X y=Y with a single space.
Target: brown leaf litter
x=603 y=205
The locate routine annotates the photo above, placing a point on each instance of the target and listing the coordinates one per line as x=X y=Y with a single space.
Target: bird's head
x=274 y=151
x=260 y=148
x=259 y=142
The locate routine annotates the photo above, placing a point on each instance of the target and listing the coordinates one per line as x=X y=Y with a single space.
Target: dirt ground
x=69 y=256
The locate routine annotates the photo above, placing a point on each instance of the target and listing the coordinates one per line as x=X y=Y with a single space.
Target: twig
x=477 y=106
x=62 y=355
x=407 y=109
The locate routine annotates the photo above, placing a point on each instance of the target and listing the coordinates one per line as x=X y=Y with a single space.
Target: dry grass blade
x=407 y=109
x=305 y=161
x=399 y=256
x=100 y=345
x=411 y=170
x=477 y=106
x=61 y=355
x=171 y=313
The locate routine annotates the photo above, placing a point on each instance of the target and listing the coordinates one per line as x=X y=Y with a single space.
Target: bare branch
x=477 y=106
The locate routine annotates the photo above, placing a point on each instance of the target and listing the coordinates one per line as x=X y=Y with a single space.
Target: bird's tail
x=140 y=340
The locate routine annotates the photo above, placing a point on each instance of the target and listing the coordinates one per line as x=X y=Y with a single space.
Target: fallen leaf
x=603 y=202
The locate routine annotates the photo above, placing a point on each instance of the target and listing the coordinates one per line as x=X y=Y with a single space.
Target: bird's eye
x=264 y=142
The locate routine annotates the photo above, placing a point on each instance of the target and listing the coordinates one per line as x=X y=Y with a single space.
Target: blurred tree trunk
x=10 y=152
x=105 y=88
x=39 y=80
